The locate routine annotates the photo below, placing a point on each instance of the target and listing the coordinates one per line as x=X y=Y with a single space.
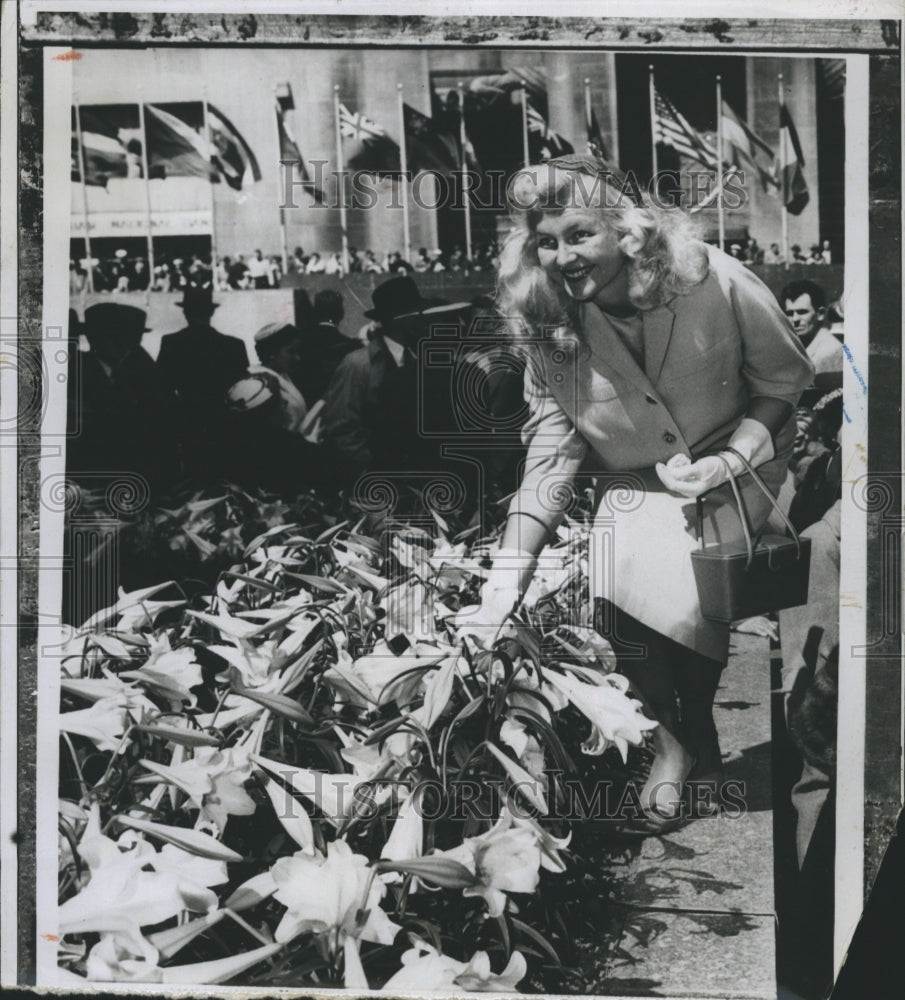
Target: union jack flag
x=374 y=151
x=358 y=126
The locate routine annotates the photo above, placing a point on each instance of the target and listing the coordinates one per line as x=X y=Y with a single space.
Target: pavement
x=693 y=912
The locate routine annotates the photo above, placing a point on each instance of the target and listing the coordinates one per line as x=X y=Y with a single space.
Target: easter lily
x=103 y=723
x=424 y=968
x=334 y=895
x=506 y=858
x=616 y=719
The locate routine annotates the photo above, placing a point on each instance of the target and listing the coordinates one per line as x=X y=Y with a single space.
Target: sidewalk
x=693 y=911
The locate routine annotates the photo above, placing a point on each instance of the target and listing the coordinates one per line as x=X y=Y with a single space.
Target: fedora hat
x=401 y=297
x=192 y=295
x=114 y=316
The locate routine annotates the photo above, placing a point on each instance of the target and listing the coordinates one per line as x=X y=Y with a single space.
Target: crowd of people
x=237 y=272
x=122 y=273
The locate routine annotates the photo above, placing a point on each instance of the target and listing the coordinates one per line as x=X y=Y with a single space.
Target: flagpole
x=464 y=163
x=340 y=179
x=525 y=152
x=587 y=108
x=403 y=162
x=210 y=183
x=653 y=120
x=147 y=180
x=782 y=178
x=284 y=244
x=719 y=161
x=78 y=133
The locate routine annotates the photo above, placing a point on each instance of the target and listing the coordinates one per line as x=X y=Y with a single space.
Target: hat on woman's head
x=594 y=166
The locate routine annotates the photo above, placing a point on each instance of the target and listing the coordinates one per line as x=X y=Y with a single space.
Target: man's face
x=805 y=319
x=285 y=359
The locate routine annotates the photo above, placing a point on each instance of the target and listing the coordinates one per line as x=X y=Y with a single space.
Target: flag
x=672 y=129
x=794 y=188
x=175 y=148
x=428 y=147
x=493 y=116
x=742 y=145
x=111 y=142
x=232 y=156
x=289 y=150
x=543 y=142
x=596 y=145
x=374 y=152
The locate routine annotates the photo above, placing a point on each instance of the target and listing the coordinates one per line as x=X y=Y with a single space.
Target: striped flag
x=111 y=141
x=742 y=145
x=177 y=146
x=373 y=150
x=289 y=150
x=794 y=187
x=543 y=142
x=232 y=155
x=672 y=129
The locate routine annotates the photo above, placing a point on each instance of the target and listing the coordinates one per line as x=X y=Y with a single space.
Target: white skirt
x=641 y=542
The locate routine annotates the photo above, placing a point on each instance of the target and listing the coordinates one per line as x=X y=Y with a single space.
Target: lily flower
x=504 y=859
x=616 y=719
x=327 y=895
x=214 y=780
x=169 y=671
x=103 y=723
x=424 y=968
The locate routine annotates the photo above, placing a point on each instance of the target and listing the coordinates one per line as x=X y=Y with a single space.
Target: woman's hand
x=691 y=479
x=500 y=595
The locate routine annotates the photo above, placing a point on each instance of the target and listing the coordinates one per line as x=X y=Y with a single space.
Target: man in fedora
x=323 y=346
x=200 y=364
x=371 y=414
x=125 y=413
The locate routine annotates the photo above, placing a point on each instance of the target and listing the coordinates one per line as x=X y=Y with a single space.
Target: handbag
x=770 y=575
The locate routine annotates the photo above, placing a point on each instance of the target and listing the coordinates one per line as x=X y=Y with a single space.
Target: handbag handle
x=743 y=515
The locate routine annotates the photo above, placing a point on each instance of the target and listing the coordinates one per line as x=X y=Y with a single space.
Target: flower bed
x=305 y=777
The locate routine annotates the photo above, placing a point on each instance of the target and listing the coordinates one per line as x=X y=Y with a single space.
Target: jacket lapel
x=607 y=345
x=658 y=324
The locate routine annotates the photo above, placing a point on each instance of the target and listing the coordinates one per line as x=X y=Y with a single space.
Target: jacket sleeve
x=343 y=413
x=774 y=362
x=556 y=452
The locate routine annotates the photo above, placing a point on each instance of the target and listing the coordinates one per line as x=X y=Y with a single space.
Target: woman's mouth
x=577 y=273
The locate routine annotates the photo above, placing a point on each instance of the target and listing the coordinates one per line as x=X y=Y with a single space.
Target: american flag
x=357 y=126
x=672 y=129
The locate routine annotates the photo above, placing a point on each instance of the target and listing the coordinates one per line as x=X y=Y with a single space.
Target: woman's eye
x=579 y=235
x=546 y=243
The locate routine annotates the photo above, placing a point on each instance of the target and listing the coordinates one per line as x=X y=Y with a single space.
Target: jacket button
x=669 y=438
x=651 y=399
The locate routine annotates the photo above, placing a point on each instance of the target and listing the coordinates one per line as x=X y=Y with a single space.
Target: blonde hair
x=664 y=256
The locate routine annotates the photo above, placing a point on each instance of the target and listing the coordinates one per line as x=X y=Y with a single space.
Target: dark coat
x=322 y=349
x=200 y=364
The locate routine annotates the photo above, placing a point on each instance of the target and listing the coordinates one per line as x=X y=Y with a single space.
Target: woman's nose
x=564 y=254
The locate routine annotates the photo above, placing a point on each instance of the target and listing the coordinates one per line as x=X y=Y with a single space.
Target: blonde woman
x=650 y=354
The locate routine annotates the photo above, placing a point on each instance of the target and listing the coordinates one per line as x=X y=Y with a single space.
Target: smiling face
x=581 y=253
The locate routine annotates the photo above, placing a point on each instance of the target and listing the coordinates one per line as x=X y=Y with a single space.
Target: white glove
x=500 y=595
x=691 y=479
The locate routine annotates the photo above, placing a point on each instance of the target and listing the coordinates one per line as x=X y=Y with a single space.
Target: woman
x=649 y=354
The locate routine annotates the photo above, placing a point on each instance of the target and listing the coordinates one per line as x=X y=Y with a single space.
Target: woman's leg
x=648 y=659
x=697 y=680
